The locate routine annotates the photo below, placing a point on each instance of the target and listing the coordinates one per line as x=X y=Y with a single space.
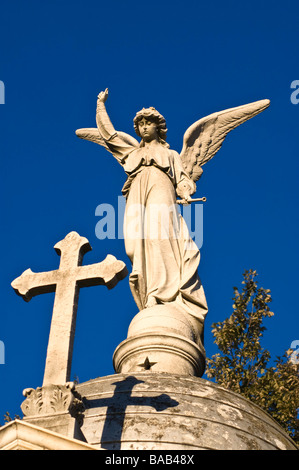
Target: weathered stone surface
x=167 y=411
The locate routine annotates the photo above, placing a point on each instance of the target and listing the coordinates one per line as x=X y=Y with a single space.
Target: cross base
x=58 y=408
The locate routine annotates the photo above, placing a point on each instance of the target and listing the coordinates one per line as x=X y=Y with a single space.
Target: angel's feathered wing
x=204 y=138
x=93 y=135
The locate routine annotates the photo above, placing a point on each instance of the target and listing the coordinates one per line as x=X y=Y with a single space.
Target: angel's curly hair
x=152 y=115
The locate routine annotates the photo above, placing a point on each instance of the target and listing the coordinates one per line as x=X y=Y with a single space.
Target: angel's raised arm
x=104 y=124
x=118 y=143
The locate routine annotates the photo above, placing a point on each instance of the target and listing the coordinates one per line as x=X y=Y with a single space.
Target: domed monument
x=156 y=400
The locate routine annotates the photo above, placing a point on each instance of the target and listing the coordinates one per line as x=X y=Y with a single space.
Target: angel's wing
x=204 y=138
x=93 y=135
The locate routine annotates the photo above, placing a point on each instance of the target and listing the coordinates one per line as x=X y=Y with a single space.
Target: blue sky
x=188 y=59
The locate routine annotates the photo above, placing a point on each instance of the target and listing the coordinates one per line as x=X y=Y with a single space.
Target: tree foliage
x=243 y=364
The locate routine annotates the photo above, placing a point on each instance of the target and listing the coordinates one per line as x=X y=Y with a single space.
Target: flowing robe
x=164 y=257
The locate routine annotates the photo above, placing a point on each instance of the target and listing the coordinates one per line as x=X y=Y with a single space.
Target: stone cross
x=66 y=282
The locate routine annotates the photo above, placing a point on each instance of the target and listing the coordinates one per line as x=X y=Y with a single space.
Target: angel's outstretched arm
x=118 y=143
x=104 y=124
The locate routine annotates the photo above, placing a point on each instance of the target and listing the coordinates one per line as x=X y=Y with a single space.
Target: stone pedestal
x=162 y=338
x=55 y=407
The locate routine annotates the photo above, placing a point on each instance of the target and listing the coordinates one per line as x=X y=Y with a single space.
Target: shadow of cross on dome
x=117 y=407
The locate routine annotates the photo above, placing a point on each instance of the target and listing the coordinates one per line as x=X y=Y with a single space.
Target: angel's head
x=150 y=124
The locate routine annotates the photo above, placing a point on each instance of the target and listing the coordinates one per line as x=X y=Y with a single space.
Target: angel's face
x=148 y=130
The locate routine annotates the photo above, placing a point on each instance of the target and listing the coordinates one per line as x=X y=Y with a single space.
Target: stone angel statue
x=164 y=258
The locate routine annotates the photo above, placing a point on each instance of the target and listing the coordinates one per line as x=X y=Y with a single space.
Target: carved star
x=147 y=364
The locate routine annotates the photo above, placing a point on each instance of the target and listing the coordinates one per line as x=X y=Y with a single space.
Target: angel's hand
x=184 y=189
x=187 y=199
x=102 y=96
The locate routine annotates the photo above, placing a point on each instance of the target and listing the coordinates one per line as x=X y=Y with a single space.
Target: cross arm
x=108 y=272
x=30 y=284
